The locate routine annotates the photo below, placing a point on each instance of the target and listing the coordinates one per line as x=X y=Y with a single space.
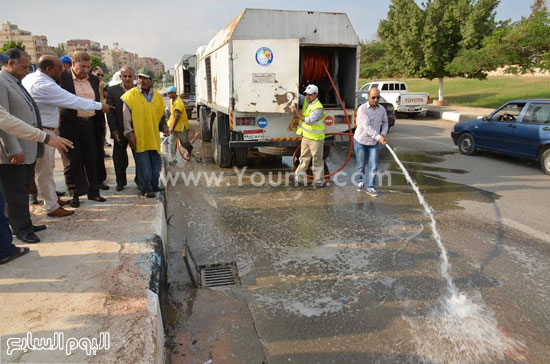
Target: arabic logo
x=264 y=56
x=58 y=342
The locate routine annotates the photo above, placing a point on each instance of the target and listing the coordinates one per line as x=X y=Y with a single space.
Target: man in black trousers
x=18 y=157
x=81 y=127
x=116 y=124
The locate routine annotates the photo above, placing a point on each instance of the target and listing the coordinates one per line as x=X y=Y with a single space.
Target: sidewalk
x=97 y=271
x=457 y=113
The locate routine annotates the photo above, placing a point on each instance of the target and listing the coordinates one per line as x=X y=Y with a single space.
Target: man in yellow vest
x=178 y=123
x=312 y=130
x=143 y=114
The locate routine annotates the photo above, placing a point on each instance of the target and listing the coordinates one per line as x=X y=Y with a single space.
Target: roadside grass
x=489 y=93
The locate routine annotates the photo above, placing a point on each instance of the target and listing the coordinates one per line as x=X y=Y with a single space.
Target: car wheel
x=466 y=144
x=545 y=161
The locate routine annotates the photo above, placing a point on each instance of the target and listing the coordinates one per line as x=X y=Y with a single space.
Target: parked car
x=390 y=111
x=518 y=128
x=397 y=93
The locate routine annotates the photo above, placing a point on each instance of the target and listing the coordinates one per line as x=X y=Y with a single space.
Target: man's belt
x=48 y=128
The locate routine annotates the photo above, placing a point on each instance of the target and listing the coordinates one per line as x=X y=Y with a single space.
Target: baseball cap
x=4 y=58
x=171 y=89
x=66 y=60
x=311 y=89
x=144 y=72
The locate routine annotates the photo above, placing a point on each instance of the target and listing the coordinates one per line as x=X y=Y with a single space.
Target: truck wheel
x=206 y=133
x=545 y=161
x=240 y=154
x=466 y=144
x=222 y=153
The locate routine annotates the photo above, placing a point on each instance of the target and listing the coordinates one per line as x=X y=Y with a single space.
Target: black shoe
x=75 y=202
x=104 y=186
x=97 y=198
x=35 y=200
x=160 y=189
x=29 y=238
x=150 y=195
x=37 y=228
x=60 y=193
x=119 y=187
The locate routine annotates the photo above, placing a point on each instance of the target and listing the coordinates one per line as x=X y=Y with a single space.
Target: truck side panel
x=219 y=61
x=265 y=74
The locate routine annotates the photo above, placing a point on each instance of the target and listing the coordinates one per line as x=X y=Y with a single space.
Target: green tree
x=59 y=51
x=425 y=40
x=375 y=62
x=538 y=5
x=519 y=47
x=402 y=33
x=96 y=61
x=12 y=44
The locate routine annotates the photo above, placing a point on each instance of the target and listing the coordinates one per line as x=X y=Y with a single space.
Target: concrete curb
x=453 y=116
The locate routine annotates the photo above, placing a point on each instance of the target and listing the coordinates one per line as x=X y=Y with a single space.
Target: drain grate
x=210 y=275
x=217 y=275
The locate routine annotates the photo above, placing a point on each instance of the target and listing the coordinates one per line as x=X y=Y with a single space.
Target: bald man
x=43 y=87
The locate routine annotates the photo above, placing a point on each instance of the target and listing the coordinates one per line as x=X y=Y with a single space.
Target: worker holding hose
x=312 y=130
x=178 y=123
x=369 y=137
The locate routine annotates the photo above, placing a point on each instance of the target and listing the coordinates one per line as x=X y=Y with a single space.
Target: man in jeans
x=370 y=136
x=143 y=119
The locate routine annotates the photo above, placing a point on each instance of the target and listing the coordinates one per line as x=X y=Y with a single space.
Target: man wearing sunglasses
x=369 y=138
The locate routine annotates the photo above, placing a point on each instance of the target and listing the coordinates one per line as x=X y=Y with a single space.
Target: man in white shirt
x=369 y=138
x=50 y=96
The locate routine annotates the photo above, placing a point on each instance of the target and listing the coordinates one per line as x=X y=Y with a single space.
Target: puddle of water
x=458 y=331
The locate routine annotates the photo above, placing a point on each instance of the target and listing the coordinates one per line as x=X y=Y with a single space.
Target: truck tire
x=204 y=120
x=222 y=153
x=545 y=161
x=240 y=155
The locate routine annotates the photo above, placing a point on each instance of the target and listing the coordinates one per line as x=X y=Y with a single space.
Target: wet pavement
x=332 y=275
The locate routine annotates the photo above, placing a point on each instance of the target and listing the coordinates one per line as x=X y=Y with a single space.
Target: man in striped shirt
x=369 y=138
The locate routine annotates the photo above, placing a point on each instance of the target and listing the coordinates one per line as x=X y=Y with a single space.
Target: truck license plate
x=253 y=134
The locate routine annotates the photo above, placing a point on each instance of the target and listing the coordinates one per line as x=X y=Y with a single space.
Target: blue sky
x=168 y=29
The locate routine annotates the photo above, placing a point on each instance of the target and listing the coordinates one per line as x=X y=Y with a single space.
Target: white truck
x=397 y=93
x=184 y=80
x=254 y=69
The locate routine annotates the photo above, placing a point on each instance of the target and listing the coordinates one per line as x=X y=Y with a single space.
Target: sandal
x=18 y=253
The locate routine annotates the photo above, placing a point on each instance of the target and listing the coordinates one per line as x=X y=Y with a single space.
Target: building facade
x=154 y=64
x=86 y=45
x=114 y=59
x=35 y=45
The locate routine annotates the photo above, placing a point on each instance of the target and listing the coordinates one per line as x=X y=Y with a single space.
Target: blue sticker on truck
x=262 y=122
x=264 y=56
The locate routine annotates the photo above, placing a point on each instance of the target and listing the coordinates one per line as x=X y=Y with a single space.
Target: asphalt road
x=333 y=275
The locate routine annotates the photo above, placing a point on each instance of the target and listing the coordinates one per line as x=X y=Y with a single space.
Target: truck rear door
x=265 y=74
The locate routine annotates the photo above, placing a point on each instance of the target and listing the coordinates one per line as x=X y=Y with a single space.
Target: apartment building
x=35 y=45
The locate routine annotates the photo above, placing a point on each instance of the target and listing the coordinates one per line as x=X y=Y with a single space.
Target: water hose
x=186 y=156
x=349 y=133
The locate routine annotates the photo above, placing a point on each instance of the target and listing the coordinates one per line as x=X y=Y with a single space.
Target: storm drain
x=210 y=275
x=216 y=275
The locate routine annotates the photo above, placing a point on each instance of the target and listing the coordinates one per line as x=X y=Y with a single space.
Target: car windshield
x=509 y=112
